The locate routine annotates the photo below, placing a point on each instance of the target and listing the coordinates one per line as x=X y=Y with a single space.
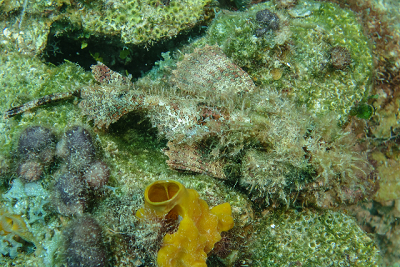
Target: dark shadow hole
x=68 y=43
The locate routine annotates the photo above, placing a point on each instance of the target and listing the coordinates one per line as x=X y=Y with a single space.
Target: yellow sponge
x=199 y=228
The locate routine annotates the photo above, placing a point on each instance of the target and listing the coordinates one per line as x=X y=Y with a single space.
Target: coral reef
x=272 y=101
x=389 y=170
x=24 y=25
x=131 y=21
x=140 y=240
x=285 y=3
x=28 y=203
x=25 y=78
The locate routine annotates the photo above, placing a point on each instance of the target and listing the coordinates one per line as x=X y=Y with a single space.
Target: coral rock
x=141 y=22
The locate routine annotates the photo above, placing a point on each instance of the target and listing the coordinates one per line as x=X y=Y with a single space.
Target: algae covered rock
x=318 y=53
x=143 y=21
x=310 y=238
x=25 y=78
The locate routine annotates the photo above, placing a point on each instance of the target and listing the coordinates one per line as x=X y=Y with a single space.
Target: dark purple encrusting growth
x=84 y=244
x=96 y=175
x=79 y=140
x=69 y=194
x=36 y=150
x=81 y=176
x=35 y=140
x=268 y=19
x=340 y=57
x=76 y=148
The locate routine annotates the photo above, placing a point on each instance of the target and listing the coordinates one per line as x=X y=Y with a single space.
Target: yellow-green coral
x=145 y=21
x=310 y=238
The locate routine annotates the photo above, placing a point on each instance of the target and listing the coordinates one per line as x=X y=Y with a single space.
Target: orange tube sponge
x=199 y=228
